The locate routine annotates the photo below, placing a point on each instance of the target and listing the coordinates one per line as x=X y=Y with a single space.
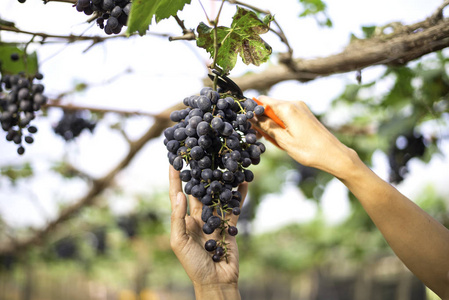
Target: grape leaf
x=169 y=8
x=143 y=11
x=8 y=66
x=241 y=38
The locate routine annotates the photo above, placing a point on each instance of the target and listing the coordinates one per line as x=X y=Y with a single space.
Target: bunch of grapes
x=20 y=98
x=71 y=124
x=112 y=15
x=214 y=138
x=413 y=145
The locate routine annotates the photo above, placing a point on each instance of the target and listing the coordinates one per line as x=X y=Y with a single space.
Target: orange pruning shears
x=227 y=84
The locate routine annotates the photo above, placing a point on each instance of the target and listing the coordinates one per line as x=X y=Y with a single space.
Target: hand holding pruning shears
x=226 y=84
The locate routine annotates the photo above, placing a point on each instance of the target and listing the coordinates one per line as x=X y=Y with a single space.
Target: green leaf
x=170 y=8
x=316 y=8
x=141 y=15
x=312 y=7
x=15 y=173
x=26 y=63
x=143 y=11
x=368 y=31
x=241 y=38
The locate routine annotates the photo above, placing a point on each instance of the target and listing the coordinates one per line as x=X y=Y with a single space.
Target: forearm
x=418 y=240
x=217 y=292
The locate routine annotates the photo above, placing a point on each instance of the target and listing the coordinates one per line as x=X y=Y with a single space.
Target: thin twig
x=249 y=6
x=187 y=34
x=204 y=10
x=65 y=1
x=73 y=107
x=181 y=24
x=72 y=38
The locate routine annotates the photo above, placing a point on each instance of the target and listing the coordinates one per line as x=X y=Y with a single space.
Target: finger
x=175 y=185
x=281 y=109
x=178 y=201
x=269 y=129
x=178 y=235
x=260 y=133
x=243 y=189
x=195 y=206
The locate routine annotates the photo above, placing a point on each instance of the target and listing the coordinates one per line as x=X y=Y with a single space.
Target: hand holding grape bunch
x=188 y=241
x=214 y=138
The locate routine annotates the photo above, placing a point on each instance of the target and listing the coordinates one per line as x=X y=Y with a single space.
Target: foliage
x=28 y=64
x=241 y=38
x=143 y=12
x=16 y=172
x=316 y=8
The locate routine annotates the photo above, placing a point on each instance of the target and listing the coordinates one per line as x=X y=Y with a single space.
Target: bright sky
x=163 y=73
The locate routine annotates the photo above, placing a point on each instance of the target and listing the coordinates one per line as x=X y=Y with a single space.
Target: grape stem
x=216 y=45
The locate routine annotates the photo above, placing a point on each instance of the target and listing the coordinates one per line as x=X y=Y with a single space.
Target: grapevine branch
x=97 y=187
x=402 y=46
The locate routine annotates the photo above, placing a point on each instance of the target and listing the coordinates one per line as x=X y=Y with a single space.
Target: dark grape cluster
x=71 y=124
x=20 y=98
x=214 y=138
x=112 y=15
x=411 y=145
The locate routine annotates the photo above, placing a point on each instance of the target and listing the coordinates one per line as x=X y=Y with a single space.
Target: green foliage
x=16 y=172
x=296 y=248
x=143 y=11
x=27 y=62
x=241 y=38
x=314 y=8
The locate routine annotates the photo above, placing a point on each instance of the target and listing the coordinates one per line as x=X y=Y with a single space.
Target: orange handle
x=270 y=113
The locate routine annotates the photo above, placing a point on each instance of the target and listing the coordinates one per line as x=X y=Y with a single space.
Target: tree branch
x=398 y=48
x=97 y=187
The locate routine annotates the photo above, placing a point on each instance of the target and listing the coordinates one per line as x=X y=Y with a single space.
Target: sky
x=162 y=73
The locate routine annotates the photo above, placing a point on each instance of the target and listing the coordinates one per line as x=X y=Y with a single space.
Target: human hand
x=305 y=138
x=217 y=280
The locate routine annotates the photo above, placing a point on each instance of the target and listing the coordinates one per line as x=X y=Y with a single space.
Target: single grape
x=15 y=56
x=219 y=251
x=210 y=245
x=214 y=222
x=178 y=163
x=236 y=211
x=206 y=213
x=232 y=230
x=207 y=229
x=259 y=110
x=21 y=150
x=216 y=258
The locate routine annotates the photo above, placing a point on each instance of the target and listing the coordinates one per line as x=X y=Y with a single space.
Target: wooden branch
x=398 y=48
x=97 y=187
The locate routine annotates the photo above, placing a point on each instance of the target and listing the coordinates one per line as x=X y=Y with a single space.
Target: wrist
x=341 y=162
x=228 y=291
